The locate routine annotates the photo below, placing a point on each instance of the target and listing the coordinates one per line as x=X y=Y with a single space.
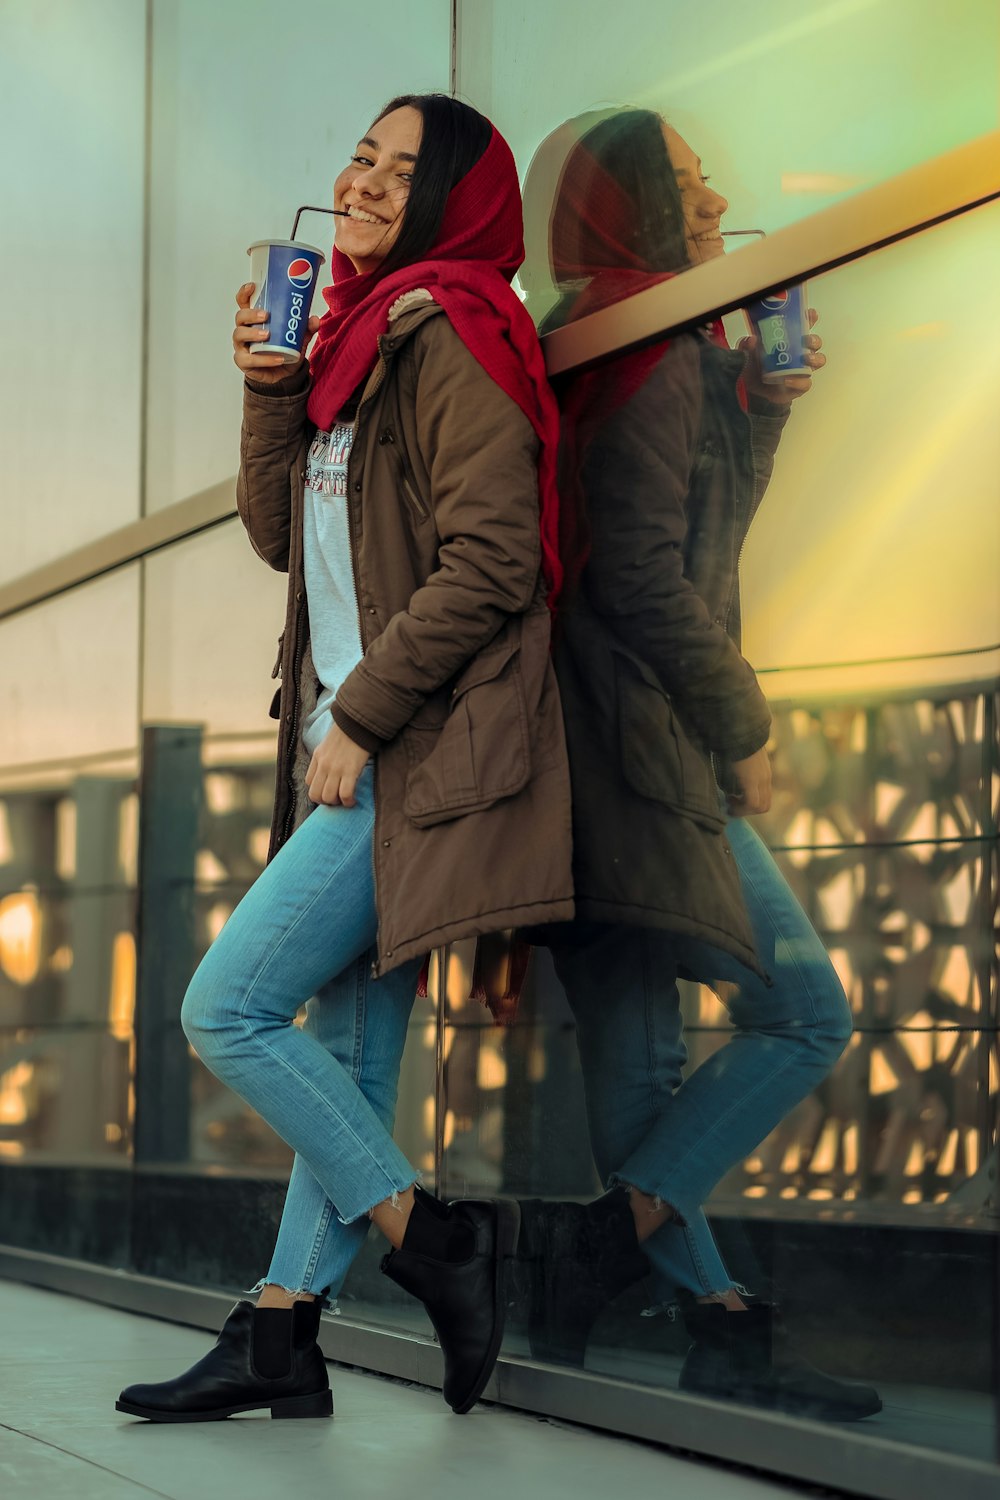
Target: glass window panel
x=71 y=111
x=765 y=93
x=214 y=611
x=869 y=604
x=221 y=180
x=70 y=677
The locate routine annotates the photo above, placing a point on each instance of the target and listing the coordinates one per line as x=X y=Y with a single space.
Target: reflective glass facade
x=137 y=755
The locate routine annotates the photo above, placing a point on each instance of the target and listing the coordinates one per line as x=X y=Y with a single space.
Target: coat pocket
x=481 y=752
x=658 y=759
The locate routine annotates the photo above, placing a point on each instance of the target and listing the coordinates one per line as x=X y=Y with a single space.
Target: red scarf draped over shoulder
x=468 y=271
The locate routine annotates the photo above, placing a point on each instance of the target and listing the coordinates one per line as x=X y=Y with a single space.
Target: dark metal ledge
x=806 y=1451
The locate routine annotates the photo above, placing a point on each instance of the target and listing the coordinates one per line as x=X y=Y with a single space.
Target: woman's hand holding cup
x=251 y=329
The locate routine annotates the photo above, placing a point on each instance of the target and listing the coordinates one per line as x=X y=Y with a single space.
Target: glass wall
x=137 y=753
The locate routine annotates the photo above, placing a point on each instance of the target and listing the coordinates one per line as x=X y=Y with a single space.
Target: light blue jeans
x=671 y=1137
x=304 y=933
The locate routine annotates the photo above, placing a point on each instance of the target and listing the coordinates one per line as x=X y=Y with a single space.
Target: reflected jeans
x=671 y=1137
x=303 y=932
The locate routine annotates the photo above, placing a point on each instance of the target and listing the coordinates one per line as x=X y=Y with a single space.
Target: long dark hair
x=630 y=146
x=454 y=137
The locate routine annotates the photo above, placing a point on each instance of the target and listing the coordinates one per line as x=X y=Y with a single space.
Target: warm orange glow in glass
x=21 y=936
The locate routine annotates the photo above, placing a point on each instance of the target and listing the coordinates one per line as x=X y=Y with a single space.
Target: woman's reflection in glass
x=666 y=453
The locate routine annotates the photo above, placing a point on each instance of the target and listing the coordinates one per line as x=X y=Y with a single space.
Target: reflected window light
x=429 y=1115
x=949 y=1155
x=62 y=960
x=121 y=1006
x=258 y=844
x=112 y=1133
x=914 y=1166
x=820 y=182
x=491 y=1070
x=208 y=869
x=882 y=1077
x=66 y=838
x=756 y=1190
x=825 y=1155
x=128 y=838
x=21 y=936
x=537 y=1064
x=11 y=1149
x=217 y=918
x=222 y=792
x=6 y=847
x=448 y=1134
x=14 y=1093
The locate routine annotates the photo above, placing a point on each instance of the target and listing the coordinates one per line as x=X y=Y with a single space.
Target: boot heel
x=320 y=1405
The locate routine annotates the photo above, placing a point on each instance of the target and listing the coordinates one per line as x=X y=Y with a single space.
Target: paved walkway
x=63 y=1363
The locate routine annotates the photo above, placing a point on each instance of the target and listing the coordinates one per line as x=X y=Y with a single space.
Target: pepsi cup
x=285 y=273
x=780 y=325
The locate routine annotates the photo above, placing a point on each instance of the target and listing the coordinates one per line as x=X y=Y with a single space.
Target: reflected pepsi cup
x=780 y=324
x=285 y=273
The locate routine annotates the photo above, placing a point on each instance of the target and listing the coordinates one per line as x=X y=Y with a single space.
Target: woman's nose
x=715 y=205
x=368 y=181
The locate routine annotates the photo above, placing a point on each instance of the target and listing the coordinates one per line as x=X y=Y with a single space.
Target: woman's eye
x=362 y=161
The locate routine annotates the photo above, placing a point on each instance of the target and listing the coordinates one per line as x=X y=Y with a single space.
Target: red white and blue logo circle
x=300 y=272
x=775 y=301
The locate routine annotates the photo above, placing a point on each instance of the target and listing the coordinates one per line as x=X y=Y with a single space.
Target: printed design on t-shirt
x=326 y=470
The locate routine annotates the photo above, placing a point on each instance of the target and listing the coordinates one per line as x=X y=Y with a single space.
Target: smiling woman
x=420 y=732
x=394 y=192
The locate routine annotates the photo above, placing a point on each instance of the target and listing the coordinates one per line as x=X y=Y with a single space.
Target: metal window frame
x=943 y=188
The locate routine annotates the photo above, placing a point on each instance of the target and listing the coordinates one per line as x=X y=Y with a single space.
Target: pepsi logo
x=300 y=272
x=775 y=301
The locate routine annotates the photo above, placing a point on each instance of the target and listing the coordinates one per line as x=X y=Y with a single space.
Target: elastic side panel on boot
x=271 y=1344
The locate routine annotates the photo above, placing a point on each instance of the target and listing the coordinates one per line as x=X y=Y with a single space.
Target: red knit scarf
x=468 y=271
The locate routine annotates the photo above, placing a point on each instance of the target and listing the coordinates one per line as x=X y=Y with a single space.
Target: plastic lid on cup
x=287 y=244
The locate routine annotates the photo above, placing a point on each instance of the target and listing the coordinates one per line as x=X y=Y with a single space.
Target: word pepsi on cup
x=780 y=324
x=285 y=273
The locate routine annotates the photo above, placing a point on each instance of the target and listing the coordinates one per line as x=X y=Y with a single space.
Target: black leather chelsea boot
x=264 y=1357
x=578 y=1257
x=452 y=1259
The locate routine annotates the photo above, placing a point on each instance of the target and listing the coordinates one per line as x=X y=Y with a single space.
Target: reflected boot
x=579 y=1257
x=452 y=1259
x=264 y=1357
x=745 y=1356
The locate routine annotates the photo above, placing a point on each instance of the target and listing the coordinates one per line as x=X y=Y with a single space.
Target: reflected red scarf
x=468 y=271
x=592 y=229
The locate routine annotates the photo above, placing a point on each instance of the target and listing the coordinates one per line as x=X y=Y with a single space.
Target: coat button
x=288 y=718
x=357 y=486
x=372 y=611
x=387 y=843
x=298 y=596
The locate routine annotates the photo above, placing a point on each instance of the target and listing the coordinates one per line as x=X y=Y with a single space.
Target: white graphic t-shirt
x=334 y=624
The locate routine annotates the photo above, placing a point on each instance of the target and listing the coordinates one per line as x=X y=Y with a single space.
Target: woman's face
x=373 y=189
x=703 y=206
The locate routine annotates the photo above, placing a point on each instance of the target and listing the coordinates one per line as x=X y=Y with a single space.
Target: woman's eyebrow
x=396 y=155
